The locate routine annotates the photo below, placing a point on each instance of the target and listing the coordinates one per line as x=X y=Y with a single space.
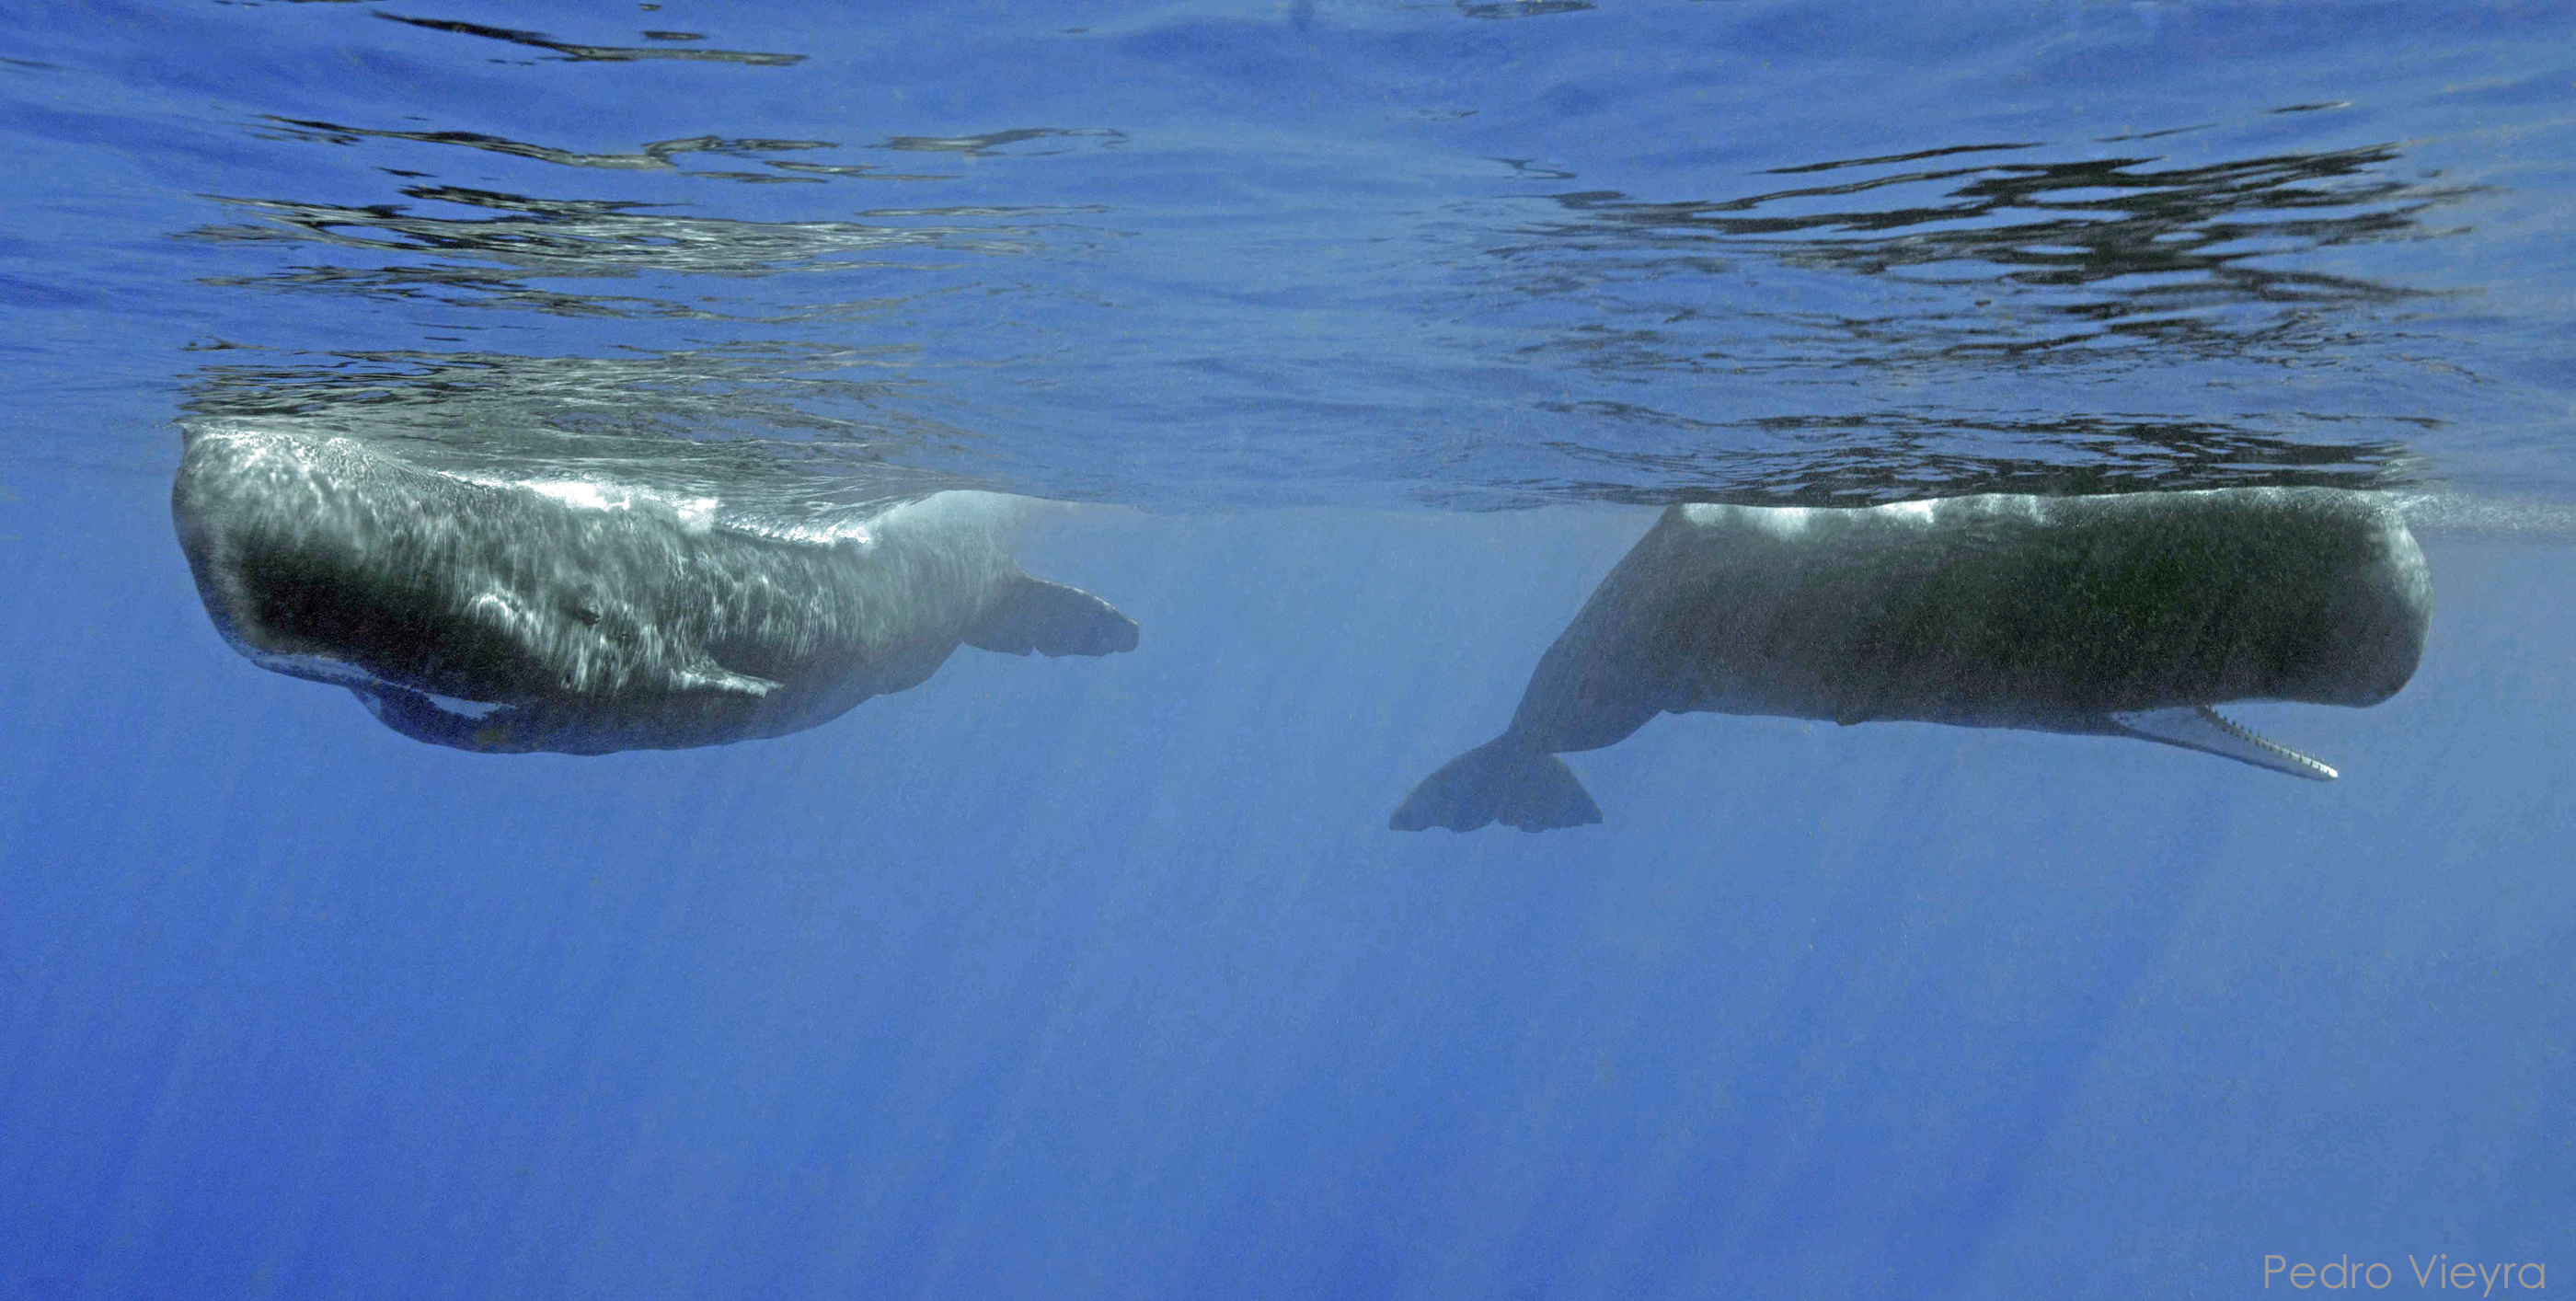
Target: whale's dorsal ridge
x=1032 y=614
x=2199 y=727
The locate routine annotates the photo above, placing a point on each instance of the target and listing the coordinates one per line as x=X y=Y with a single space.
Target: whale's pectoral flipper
x=1502 y=780
x=1031 y=614
x=2199 y=727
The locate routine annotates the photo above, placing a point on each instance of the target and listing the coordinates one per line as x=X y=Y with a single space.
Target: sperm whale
x=585 y=618
x=2125 y=615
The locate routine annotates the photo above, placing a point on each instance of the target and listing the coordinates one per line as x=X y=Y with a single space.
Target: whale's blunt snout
x=281 y=559
x=2412 y=599
x=2383 y=614
x=209 y=505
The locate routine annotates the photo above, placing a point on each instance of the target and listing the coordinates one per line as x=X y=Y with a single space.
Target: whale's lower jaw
x=492 y=727
x=2199 y=727
x=711 y=709
x=365 y=685
x=677 y=723
x=2191 y=727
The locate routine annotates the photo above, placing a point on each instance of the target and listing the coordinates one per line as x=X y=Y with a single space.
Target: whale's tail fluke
x=1502 y=780
x=1032 y=614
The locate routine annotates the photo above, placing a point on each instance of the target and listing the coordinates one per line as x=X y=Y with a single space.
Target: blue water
x=1360 y=335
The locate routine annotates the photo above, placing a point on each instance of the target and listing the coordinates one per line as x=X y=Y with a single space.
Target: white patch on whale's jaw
x=467 y=711
x=366 y=686
x=707 y=675
x=2199 y=727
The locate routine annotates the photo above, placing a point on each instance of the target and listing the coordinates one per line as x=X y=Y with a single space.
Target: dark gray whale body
x=567 y=617
x=2112 y=615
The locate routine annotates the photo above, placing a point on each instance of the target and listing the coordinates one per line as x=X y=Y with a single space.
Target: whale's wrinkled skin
x=2121 y=615
x=574 y=618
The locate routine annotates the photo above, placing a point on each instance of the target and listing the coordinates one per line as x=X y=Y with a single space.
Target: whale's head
x=308 y=567
x=2349 y=618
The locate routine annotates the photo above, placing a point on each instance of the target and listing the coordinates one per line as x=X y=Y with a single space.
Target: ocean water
x=1352 y=343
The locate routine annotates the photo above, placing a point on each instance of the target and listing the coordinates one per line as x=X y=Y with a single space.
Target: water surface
x=1359 y=333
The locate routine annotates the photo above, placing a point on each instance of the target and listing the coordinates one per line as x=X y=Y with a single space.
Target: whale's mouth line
x=341 y=673
x=2199 y=727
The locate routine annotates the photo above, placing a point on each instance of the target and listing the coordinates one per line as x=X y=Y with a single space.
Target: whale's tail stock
x=1502 y=780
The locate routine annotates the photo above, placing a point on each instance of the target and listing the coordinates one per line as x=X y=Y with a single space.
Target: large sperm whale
x=2125 y=615
x=582 y=618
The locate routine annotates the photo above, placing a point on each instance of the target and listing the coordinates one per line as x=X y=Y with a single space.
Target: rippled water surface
x=1357 y=332
x=1390 y=255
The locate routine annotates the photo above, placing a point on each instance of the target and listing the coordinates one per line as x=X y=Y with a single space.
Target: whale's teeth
x=2199 y=727
x=2248 y=735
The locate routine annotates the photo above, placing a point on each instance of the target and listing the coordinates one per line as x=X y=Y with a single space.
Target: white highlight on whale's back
x=692 y=514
